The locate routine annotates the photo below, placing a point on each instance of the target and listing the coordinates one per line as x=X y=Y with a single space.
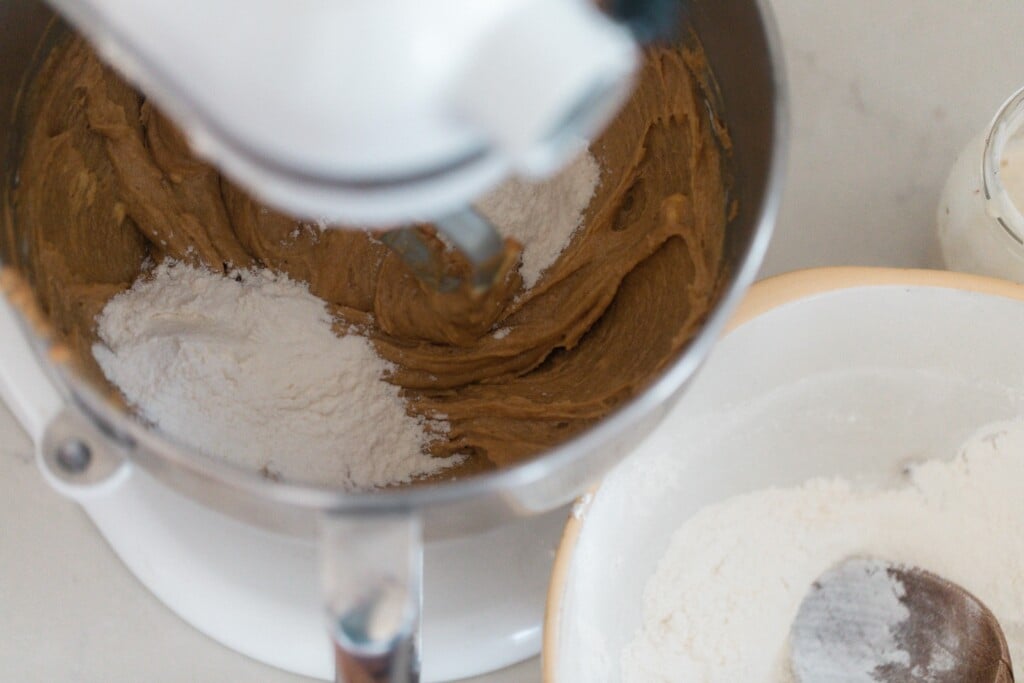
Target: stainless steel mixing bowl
x=89 y=438
x=742 y=49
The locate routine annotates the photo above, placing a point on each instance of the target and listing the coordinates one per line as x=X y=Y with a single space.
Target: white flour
x=722 y=600
x=248 y=369
x=543 y=216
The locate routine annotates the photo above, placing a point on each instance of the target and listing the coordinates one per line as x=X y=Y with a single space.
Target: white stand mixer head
x=371 y=112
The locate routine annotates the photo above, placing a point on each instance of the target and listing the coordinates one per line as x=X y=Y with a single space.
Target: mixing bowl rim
x=763 y=297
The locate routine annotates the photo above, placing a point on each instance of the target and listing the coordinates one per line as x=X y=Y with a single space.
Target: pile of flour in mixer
x=720 y=604
x=248 y=368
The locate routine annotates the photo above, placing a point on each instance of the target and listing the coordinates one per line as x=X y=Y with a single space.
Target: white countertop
x=884 y=94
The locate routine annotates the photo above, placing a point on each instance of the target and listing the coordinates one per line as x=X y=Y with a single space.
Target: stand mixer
x=382 y=114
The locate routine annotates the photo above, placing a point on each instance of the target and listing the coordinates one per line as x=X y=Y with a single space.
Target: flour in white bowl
x=247 y=368
x=720 y=604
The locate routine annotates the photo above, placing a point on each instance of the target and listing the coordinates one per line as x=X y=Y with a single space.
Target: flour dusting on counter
x=721 y=602
x=248 y=369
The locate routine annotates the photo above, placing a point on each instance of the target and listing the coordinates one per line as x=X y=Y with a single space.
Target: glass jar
x=980 y=226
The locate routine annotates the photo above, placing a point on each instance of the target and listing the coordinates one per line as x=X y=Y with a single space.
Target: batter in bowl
x=108 y=188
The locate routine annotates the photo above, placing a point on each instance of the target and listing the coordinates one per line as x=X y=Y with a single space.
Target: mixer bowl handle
x=372 y=578
x=74 y=457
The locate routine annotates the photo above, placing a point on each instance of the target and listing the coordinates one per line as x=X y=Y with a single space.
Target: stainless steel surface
x=73 y=456
x=396 y=667
x=478 y=241
x=76 y=453
x=649 y=20
x=421 y=258
x=741 y=45
x=372 y=574
x=472 y=234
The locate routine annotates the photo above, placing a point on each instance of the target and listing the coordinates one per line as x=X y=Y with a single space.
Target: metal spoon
x=867 y=620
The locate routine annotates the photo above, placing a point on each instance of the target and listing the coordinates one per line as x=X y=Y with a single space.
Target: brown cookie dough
x=108 y=185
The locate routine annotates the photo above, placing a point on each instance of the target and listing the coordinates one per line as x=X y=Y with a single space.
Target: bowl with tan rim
x=851 y=372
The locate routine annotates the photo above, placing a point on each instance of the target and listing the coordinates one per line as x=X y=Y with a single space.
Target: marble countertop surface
x=884 y=94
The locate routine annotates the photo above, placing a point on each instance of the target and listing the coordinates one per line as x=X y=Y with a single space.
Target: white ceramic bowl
x=847 y=371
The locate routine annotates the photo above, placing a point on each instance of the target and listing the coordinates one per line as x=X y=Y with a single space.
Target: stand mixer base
x=256 y=592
